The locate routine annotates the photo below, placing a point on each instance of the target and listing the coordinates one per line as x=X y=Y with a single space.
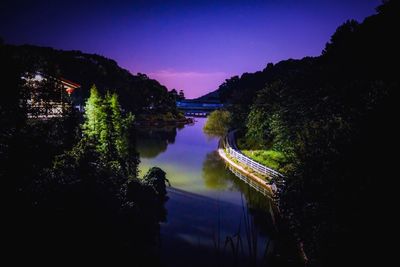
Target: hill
x=138 y=93
x=356 y=51
x=333 y=118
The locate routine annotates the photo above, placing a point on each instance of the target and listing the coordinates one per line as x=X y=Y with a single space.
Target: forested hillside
x=138 y=93
x=332 y=117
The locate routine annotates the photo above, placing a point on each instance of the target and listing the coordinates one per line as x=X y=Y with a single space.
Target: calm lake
x=213 y=218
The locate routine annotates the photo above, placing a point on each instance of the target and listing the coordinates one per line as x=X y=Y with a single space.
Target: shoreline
x=240 y=168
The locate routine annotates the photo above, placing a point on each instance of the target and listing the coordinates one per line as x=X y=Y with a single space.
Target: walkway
x=229 y=151
x=263 y=186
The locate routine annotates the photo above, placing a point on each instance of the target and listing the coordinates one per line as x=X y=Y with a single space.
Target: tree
x=117 y=120
x=264 y=117
x=120 y=128
x=108 y=131
x=218 y=122
x=181 y=95
x=174 y=94
x=257 y=128
x=156 y=178
x=342 y=37
x=93 y=114
x=103 y=123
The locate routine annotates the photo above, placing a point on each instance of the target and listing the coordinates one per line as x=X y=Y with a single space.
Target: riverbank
x=258 y=172
x=242 y=169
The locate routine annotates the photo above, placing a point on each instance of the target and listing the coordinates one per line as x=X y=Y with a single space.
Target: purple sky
x=189 y=45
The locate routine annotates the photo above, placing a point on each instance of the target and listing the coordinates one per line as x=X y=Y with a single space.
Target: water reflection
x=207 y=204
x=214 y=173
x=153 y=141
x=217 y=176
x=259 y=206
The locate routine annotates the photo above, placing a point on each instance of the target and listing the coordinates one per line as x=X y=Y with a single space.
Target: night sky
x=189 y=45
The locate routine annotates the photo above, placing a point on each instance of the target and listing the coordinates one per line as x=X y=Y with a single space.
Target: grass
x=270 y=158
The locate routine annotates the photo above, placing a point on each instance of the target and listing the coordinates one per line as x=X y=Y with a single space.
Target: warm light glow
x=69 y=90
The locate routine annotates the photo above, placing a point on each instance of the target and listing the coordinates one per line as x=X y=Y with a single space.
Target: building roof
x=69 y=83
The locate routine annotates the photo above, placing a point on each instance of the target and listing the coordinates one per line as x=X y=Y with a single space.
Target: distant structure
x=48 y=96
x=197 y=109
x=69 y=86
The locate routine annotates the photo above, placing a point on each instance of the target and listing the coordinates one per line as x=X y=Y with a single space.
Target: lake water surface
x=213 y=218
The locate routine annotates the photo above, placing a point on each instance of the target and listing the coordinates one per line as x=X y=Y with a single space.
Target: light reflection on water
x=207 y=203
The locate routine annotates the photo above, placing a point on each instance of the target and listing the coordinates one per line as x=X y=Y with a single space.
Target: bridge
x=197 y=109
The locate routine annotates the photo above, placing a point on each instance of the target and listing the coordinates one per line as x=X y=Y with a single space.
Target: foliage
x=218 y=122
x=93 y=114
x=71 y=186
x=107 y=129
x=156 y=178
x=270 y=158
x=257 y=135
x=178 y=96
x=266 y=125
x=330 y=116
x=154 y=140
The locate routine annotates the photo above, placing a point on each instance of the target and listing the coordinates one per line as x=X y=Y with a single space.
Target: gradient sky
x=189 y=45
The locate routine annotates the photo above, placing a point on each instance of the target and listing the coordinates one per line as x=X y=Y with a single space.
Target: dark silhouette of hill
x=356 y=51
x=137 y=93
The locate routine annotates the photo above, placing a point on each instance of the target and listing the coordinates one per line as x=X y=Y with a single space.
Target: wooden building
x=49 y=97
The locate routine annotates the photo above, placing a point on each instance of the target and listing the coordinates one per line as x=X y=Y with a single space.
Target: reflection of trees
x=151 y=141
x=216 y=175
x=259 y=206
x=214 y=172
x=255 y=199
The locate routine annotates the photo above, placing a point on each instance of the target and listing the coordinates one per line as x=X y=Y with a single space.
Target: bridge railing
x=236 y=154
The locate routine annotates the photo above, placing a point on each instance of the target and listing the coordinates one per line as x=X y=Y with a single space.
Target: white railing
x=236 y=154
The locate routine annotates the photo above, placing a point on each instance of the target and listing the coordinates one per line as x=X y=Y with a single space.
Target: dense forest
x=332 y=117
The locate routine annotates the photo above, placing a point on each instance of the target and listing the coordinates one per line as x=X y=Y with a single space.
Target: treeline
x=332 y=117
x=138 y=93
